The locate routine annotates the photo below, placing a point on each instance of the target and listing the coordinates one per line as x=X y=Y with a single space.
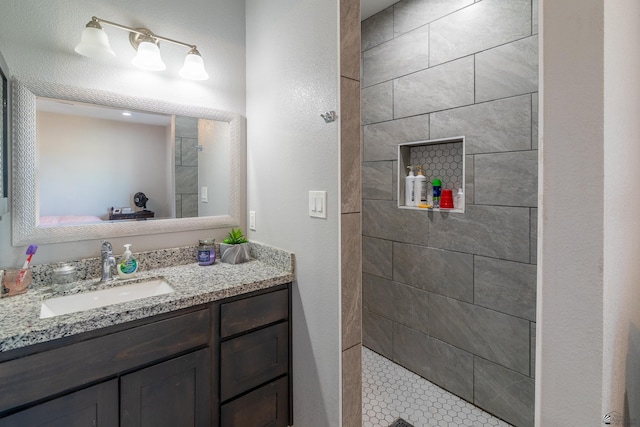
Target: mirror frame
x=4 y=145
x=25 y=186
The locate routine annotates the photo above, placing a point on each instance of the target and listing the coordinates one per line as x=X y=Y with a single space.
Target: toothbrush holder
x=10 y=285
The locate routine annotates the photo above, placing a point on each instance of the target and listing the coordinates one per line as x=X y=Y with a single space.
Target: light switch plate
x=318 y=204
x=252 y=220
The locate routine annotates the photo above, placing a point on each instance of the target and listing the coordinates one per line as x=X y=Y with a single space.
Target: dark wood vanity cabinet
x=255 y=362
x=227 y=363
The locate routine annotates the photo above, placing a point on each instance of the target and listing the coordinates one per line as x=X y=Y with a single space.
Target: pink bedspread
x=51 y=221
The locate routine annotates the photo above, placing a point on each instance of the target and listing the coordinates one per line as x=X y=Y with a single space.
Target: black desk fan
x=140 y=200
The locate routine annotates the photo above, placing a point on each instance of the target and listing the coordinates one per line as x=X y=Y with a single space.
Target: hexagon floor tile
x=390 y=391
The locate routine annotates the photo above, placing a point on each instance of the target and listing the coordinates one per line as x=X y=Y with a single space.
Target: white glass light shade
x=94 y=44
x=193 y=67
x=148 y=57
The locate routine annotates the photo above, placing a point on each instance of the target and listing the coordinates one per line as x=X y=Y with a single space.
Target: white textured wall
x=621 y=365
x=570 y=246
x=292 y=77
x=216 y=26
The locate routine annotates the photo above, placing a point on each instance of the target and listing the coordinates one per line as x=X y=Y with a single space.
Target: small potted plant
x=234 y=249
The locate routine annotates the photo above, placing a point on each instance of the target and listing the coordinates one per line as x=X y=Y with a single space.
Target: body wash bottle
x=128 y=266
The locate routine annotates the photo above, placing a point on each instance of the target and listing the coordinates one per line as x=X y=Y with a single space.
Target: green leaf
x=235 y=237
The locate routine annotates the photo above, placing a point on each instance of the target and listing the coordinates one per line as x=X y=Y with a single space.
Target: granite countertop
x=193 y=284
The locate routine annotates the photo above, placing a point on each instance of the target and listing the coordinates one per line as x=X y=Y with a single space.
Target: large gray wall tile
x=534 y=121
x=394 y=184
x=478 y=27
x=440 y=363
x=503 y=125
x=383 y=219
x=403 y=55
x=189 y=207
x=503 y=392
x=507 y=179
x=351 y=289
x=189 y=151
x=505 y=286
x=377 y=257
x=495 y=336
x=186 y=179
x=377 y=103
x=381 y=139
x=401 y=303
x=494 y=231
x=469 y=195
x=350 y=43
x=178 y=151
x=446 y=86
x=532 y=373
x=377 y=29
x=377 y=333
x=507 y=70
x=534 y=236
x=352 y=386
x=410 y=14
x=377 y=180
x=443 y=272
x=534 y=17
x=350 y=147
x=186 y=127
x=178 y=205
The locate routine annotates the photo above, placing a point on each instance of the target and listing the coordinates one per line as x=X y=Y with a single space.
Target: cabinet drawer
x=44 y=374
x=253 y=312
x=253 y=359
x=93 y=406
x=267 y=406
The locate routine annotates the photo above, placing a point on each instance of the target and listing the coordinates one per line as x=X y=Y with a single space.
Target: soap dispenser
x=128 y=267
x=410 y=191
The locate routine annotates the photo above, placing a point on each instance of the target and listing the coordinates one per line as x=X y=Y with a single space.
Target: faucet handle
x=106 y=246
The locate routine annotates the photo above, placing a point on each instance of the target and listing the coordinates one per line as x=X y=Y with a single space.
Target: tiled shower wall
x=350 y=213
x=452 y=296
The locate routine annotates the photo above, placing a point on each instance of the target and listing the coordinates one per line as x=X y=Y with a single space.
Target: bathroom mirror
x=26 y=185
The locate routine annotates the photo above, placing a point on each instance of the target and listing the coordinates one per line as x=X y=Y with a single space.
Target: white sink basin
x=101 y=298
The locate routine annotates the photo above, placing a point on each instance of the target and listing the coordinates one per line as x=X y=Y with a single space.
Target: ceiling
x=371 y=7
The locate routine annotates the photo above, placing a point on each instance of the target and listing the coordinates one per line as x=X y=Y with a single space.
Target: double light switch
x=318 y=204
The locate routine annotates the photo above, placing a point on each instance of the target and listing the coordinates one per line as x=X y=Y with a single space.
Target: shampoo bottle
x=421 y=187
x=128 y=266
x=410 y=191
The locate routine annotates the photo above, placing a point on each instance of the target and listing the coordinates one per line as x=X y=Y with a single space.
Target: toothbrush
x=30 y=251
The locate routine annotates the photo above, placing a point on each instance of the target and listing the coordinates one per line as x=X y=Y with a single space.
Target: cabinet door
x=267 y=406
x=172 y=393
x=93 y=406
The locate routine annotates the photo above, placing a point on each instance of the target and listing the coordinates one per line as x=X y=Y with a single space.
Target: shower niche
x=442 y=159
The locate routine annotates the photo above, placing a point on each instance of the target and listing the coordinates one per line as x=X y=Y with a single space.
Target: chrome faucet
x=108 y=261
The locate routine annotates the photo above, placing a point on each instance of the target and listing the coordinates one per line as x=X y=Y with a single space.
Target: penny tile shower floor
x=390 y=391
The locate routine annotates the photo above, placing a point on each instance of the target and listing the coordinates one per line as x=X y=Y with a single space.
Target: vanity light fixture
x=95 y=44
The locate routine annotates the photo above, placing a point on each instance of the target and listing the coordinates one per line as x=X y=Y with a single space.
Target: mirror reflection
x=218 y=173
x=98 y=163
